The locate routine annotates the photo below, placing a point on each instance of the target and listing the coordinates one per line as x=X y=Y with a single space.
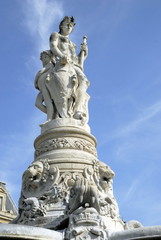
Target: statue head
x=66 y=25
x=45 y=56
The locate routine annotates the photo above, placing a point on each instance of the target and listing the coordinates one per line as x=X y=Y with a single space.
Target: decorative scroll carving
x=90 y=190
x=39 y=187
x=95 y=189
x=31 y=209
x=65 y=143
x=38 y=178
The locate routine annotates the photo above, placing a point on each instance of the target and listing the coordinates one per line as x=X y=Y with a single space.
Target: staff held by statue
x=83 y=53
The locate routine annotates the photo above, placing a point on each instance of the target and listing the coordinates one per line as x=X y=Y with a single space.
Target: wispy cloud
x=146 y=114
x=39 y=18
x=141 y=195
x=137 y=149
x=132 y=189
x=135 y=188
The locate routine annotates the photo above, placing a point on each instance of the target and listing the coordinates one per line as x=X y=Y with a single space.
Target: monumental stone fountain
x=66 y=191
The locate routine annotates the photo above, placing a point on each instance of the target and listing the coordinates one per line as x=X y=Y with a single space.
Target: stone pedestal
x=66 y=177
x=67 y=146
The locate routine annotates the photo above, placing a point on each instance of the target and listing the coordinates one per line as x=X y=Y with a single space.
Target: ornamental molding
x=65 y=143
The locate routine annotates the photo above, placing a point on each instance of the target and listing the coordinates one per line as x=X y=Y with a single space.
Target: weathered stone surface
x=52 y=193
x=95 y=231
x=12 y=231
x=71 y=138
x=64 y=122
x=145 y=233
x=132 y=224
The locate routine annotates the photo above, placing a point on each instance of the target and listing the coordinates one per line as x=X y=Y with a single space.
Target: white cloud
x=139 y=140
x=142 y=195
x=39 y=18
x=146 y=115
x=137 y=147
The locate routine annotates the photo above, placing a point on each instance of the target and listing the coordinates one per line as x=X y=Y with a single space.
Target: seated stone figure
x=61 y=81
x=68 y=71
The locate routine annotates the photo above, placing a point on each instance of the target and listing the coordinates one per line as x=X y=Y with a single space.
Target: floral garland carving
x=65 y=143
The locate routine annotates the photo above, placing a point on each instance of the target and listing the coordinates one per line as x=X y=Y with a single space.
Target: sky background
x=124 y=68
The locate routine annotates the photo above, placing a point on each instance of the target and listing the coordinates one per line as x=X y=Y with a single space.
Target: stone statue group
x=66 y=187
x=61 y=82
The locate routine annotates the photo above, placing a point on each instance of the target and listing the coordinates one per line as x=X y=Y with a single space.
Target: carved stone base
x=61 y=138
x=67 y=148
x=66 y=178
x=51 y=195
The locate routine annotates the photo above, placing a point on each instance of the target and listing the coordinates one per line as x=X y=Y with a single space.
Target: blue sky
x=124 y=68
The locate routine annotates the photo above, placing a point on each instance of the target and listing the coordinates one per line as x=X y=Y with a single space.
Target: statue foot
x=78 y=115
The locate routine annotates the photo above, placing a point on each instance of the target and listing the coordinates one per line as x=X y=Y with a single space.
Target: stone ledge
x=153 y=232
x=11 y=231
x=65 y=132
x=63 y=122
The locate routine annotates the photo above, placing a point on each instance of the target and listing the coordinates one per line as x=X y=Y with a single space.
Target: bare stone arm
x=54 y=40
